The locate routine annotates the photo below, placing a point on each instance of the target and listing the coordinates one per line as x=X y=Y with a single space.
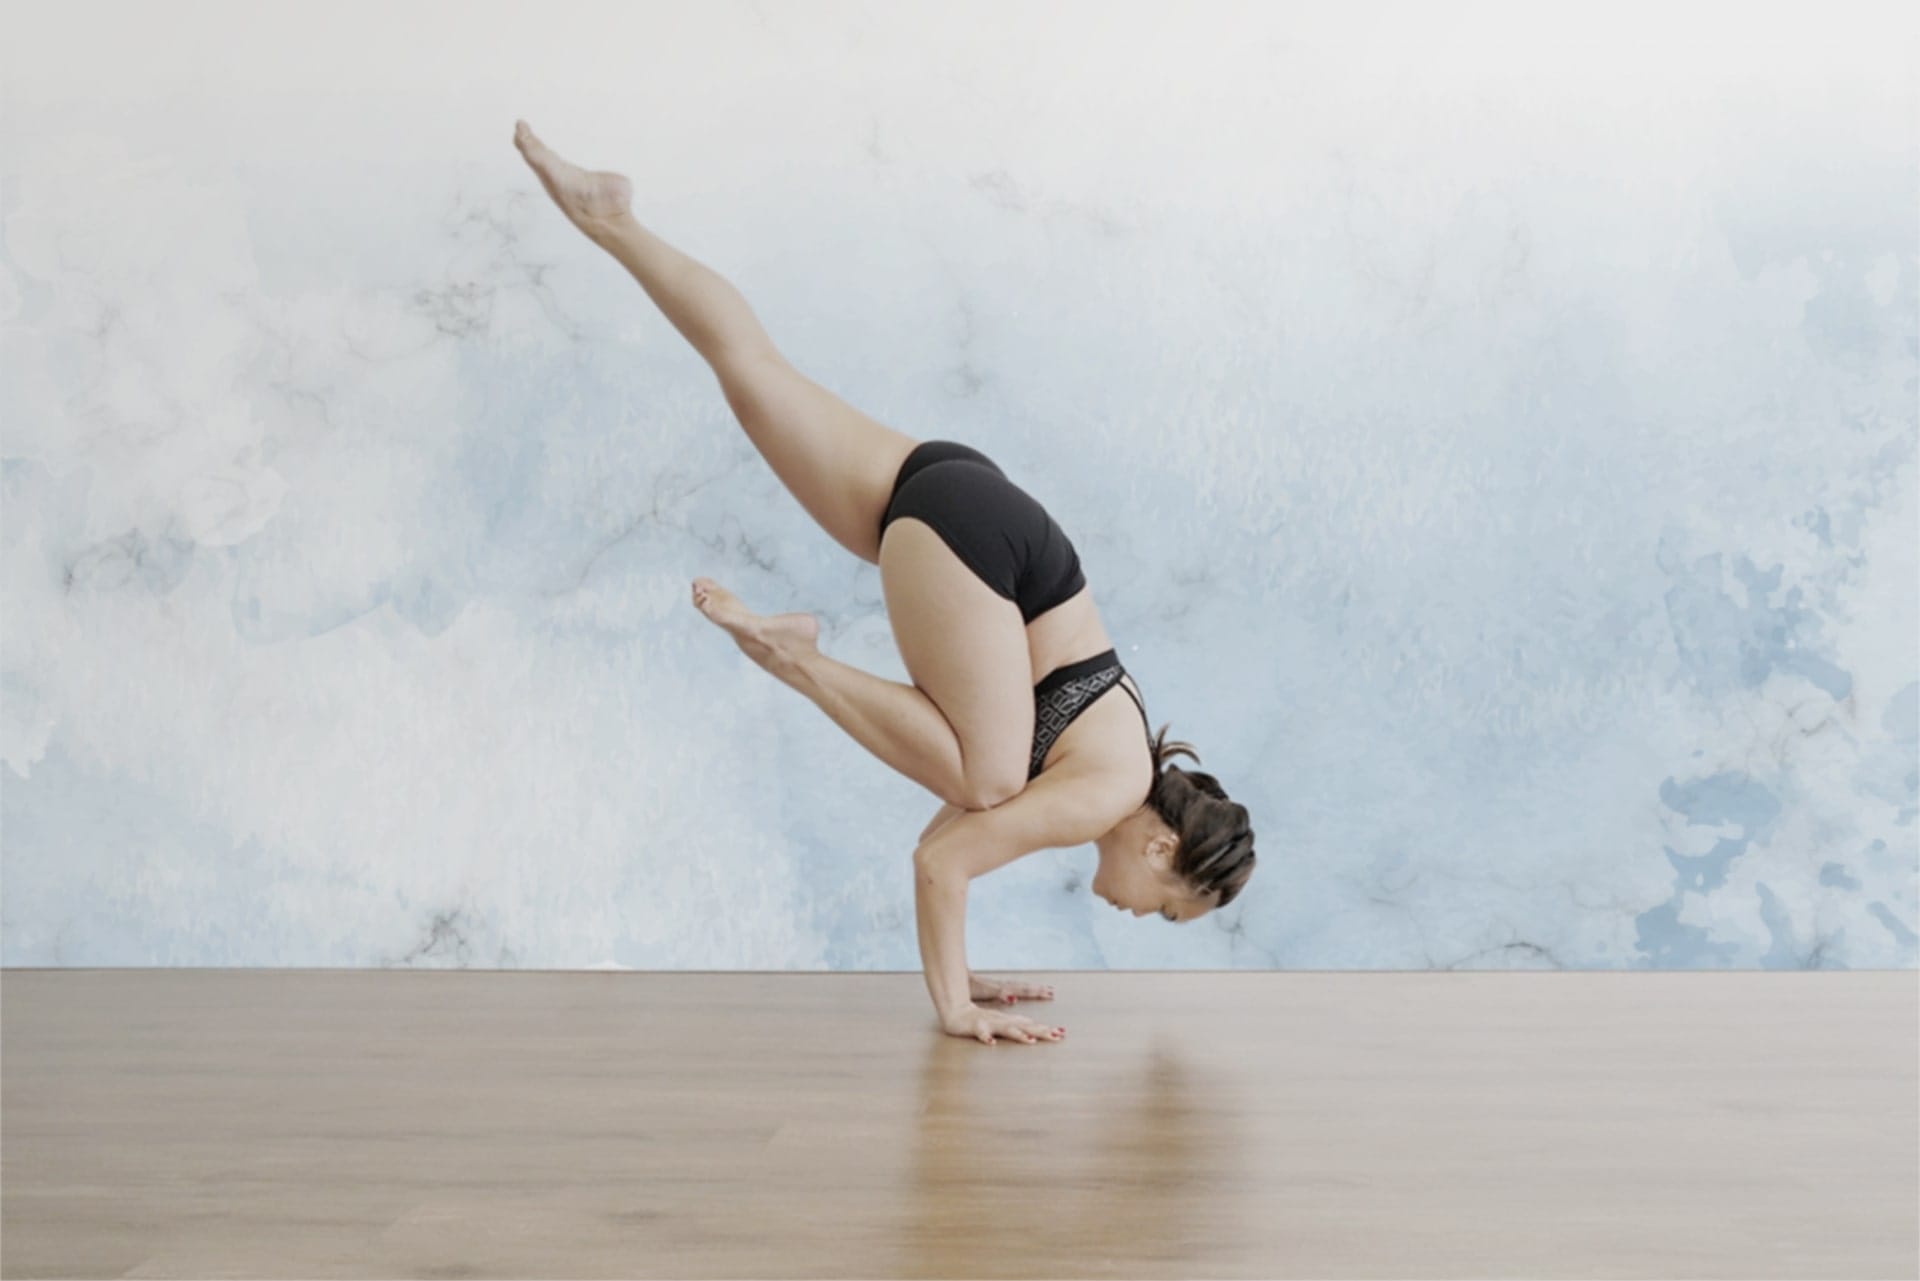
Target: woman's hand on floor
x=1005 y=991
x=985 y=1025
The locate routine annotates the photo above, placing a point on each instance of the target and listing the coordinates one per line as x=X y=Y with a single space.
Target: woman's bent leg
x=897 y=723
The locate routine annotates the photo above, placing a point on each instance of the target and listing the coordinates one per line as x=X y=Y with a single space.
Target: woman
x=1008 y=719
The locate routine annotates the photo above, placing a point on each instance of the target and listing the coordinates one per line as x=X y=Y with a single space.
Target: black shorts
x=994 y=526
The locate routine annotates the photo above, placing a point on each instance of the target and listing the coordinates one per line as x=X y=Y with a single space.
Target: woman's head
x=1184 y=852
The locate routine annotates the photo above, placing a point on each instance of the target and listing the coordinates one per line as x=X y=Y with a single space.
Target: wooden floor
x=301 y=1123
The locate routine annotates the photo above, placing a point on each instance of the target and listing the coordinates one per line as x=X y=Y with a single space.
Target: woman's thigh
x=965 y=646
x=838 y=462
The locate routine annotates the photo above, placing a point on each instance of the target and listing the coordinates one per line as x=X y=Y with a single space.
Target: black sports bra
x=1065 y=692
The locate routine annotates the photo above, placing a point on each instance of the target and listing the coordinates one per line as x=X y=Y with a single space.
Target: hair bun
x=1214 y=833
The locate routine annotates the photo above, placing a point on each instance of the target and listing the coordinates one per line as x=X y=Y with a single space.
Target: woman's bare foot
x=777 y=642
x=590 y=200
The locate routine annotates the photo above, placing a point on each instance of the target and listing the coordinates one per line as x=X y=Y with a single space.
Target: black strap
x=1126 y=683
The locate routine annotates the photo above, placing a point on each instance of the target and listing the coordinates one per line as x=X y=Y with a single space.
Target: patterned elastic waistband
x=1073 y=671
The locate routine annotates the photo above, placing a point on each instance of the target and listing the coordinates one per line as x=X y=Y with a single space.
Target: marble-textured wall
x=1489 y=433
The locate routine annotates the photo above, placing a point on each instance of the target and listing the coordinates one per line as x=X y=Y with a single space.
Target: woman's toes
x=719 y=604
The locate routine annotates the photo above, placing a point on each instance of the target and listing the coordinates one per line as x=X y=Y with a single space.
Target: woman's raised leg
x=835 y=460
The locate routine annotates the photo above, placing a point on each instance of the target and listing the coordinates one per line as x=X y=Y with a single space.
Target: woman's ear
x=1160 y=850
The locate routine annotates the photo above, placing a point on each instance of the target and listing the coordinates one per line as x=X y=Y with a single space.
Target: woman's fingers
x=1017 y=1027
x=988 y=1024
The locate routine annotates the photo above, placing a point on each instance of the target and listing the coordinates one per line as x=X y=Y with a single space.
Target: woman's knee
x=995 y=787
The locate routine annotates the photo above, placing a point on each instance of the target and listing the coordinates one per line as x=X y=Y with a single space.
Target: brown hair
x=1216 y=839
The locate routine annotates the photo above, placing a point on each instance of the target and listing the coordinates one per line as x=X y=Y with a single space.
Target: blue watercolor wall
x=1489 y=433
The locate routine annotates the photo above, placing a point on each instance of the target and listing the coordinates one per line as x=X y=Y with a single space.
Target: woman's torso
x=1106 y=734
x=1010 y=541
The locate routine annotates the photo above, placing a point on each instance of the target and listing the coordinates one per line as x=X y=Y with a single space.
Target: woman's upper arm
x=1057 y=810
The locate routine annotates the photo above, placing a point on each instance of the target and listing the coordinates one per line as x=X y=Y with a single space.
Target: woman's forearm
x=940 y=909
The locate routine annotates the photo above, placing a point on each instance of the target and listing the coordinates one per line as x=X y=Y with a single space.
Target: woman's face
x=1136 y=870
